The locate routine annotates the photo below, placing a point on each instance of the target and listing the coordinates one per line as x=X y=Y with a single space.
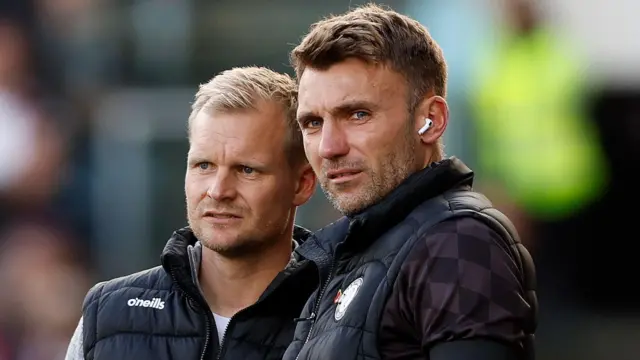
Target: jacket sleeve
x=75 y=349
x=458 y=296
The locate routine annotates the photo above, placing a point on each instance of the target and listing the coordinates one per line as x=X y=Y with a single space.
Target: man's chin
x=234 y=248
x=351 y=204
x=348 y=205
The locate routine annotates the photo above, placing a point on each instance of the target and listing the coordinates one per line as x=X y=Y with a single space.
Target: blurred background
x=95 y=95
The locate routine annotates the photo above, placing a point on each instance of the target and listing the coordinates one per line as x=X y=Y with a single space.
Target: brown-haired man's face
x=240 y=188
x=358 y=135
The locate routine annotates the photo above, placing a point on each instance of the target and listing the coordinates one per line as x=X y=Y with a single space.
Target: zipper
x=312 y=316
x=207 y=338
x=325 y=286
x=224 y=337
x=209 y=318
x=224 y=334
x=231 y=320
x=208 y=323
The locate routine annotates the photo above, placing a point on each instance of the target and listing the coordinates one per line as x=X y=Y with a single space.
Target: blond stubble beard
x=244 y=246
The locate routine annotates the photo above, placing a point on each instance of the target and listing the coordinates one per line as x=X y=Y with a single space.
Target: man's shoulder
x=155 y=278
x=469 y=218
x=461 y=207
x=143 y=302
x=476 y=226
x=466 y=199
x=471 y=237
x=465 y=247
x=463 y=279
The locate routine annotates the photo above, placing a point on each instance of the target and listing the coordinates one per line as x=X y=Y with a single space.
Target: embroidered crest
x=344 y=298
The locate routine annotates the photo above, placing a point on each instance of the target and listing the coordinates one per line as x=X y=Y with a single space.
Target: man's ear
x=436 y=110
x=306 y=184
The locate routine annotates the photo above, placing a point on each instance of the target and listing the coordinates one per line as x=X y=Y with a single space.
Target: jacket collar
x=369 y=224
x=175 y=256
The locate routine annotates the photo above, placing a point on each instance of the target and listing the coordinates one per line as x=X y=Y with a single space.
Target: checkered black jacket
x=431 y=272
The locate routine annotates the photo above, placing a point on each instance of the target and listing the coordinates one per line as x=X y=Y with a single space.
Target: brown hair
x=243 y=88
x=378 y=36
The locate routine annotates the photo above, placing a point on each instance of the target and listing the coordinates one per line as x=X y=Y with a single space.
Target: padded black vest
x=378 y=242
x=159 y=314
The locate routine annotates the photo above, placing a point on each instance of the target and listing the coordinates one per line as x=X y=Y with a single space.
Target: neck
x=232 y=284
x=428 y=159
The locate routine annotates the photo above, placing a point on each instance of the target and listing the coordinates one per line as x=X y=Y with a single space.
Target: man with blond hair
x=229 y=286
x=421 y=266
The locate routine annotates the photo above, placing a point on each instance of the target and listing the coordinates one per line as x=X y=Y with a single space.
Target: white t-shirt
x=221 y=325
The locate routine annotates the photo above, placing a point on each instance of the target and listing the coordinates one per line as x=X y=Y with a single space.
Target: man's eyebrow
x=342 y=109
x=307 y=116
x=353 y=105
x=195 y=159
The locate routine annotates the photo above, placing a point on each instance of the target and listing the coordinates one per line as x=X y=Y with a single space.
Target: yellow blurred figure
x=535 y=140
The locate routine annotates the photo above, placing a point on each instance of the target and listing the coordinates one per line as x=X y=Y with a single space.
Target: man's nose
x=333 y=141
x=222 y=186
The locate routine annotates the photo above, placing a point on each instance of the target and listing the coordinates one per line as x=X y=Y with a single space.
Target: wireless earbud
x=427 y=125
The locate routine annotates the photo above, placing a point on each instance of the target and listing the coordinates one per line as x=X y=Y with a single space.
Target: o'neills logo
x=155 y=303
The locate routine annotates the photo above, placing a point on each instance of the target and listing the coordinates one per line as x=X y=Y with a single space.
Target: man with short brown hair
x=421 y=266
x=229 y=286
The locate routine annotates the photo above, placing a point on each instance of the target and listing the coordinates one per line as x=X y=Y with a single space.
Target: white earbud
x=427 y=125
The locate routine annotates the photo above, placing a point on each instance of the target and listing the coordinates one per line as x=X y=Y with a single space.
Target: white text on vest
x=155 y=303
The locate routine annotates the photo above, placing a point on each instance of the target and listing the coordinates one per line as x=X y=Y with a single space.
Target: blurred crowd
x=552 y=149
x=43 y=276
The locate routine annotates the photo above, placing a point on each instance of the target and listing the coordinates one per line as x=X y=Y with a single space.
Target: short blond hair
x=243 y=88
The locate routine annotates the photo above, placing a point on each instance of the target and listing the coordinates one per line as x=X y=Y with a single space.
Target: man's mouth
x=342 y=175
x=221 y=215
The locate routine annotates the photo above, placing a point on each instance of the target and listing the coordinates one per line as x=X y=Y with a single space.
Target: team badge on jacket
x=344 y=298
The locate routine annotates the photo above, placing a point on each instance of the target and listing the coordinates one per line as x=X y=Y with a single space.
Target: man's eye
x=360 y=115
x=203 y=165
x=311 y=124
x=247 y=170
